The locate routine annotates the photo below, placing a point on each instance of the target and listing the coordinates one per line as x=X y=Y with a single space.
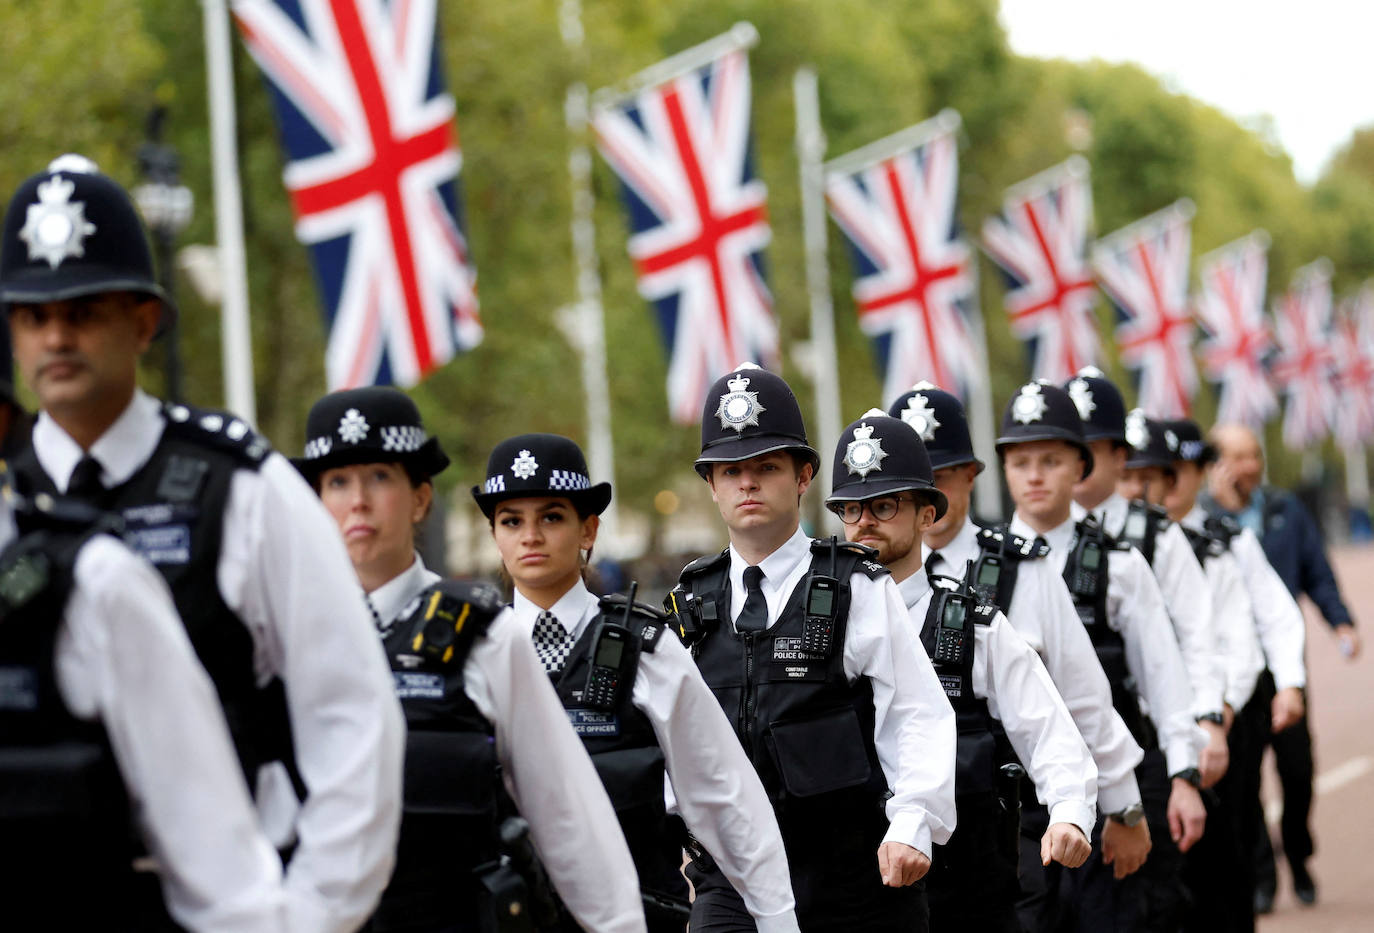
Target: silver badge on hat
x=353 y=427
x=1171 y=439
x=56 y=227
x=921 y=416
x=1082 y=394
x=865 y=453
x=524 y=466
x=739 y=408
x=1137 y=432
x=1030 y=405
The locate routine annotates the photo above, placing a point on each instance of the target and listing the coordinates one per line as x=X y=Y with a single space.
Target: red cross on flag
x=1354 y=369
x=1230 y=308
x=1303 y=367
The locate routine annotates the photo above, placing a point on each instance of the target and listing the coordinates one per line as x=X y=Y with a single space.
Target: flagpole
x=235 y=331
x=588 y=318
x=740 y=36
x=987 y=490
x=824 y=357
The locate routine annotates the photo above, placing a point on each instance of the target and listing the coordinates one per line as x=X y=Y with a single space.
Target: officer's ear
x=805 y=473
x=147 y=313
x=925 y=514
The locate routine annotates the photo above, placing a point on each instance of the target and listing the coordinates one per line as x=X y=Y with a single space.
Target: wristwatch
x=1214 y=718
x=1192 y=775
x=1129 y=816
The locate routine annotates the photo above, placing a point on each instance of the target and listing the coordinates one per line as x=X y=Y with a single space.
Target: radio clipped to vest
x=606 y=673
x=952 y=612
x=821 y=603
x=1086 y=569
x=1143 y=525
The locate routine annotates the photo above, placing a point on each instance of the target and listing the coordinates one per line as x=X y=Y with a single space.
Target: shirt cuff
x=1291 y=675
x=1181 y=755
x=1075 y=812
x=911 y=829
x=1115 y=797
x=778 y=923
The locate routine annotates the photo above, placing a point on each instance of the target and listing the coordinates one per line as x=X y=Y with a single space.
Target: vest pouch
x=975 y=766
x=819 y=755
x=633 y=778
x=450 y=773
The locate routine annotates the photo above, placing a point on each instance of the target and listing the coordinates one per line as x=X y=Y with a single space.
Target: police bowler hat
x=71 y=231
x=1041 y=411
x=1151 y=443
x=1100 y=405
x=373 y=424
x=879 y=455
x=1192 y=446
x=938 y=417
x=539 y=465
x=750 y=412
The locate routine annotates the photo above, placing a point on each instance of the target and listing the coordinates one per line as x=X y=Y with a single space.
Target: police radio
x=952 y=610
x=1087 y=580
x=1143 y=522
x=987 y=576
x=822 y=606
x=602 y=691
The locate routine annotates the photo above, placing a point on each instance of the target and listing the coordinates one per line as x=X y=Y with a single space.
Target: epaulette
x=217 y=429
x=649 y=622
x=991 y=539
x=984 y=613
x=1222 y=527
x=704 y=563
x=866 y=558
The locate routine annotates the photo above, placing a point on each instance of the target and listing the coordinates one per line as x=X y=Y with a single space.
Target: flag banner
x=680 y=144
x=1143 y=269
x=1230 y=308
x=1353 y=351
x=1303 y=367
x=1040 y=241
x=372 y=168
x=896 y=202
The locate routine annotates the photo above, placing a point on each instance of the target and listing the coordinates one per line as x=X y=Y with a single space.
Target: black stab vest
x=173 y=512
x=624 y=749
x=64 y=817
x=453 y=797
x=998 y=541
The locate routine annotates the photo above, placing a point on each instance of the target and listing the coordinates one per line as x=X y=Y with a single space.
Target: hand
x=1187 y=816
x=1228 y=717
x=901 y=864
x=1216 y=757
x=1348 y=639
x=1221 y=482
x=1064 y=843
x=1125 y=847
x=1288 y=707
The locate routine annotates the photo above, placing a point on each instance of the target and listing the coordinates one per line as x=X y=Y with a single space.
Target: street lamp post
x=166 y=206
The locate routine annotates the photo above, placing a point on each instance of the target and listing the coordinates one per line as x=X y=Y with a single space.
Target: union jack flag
x=372 y=166
x=913 y=283
x=1143 y=268
x=681 y=148
x=1354 y=369
x=1303 y=367
x=1040 y=240
x=1230 y=308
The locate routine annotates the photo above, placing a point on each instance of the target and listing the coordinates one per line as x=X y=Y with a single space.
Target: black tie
x=85 y=480
x=754 y=616
x=932 y=561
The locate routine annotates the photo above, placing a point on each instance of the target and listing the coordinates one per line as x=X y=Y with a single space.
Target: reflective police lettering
x=953 y=685
x=163 y=544
x=18 y=689
x=788 y=648
x=594 y=722
x=417 y=685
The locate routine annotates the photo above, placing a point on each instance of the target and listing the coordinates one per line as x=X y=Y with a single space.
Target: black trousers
x=1293 y=756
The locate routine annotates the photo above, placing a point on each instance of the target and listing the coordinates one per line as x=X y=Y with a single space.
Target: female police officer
x=368 y=458
x=544 y=513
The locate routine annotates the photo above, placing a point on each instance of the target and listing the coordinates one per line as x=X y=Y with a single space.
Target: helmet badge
x=921 y=416
x=1137 y=433
x=353 y=427
x=1030 y=405
x=739 y=408
x=56 y=227
x=524 y=466
x=865 y=453
x=1081 y=391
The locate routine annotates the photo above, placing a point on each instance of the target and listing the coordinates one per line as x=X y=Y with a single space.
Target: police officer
x=1016 y=573
x=657 y=719
x=476 y=716
x=256 y=568
x=884 y=494
x=808 y=647
x=1044 y=455
x=107 y=717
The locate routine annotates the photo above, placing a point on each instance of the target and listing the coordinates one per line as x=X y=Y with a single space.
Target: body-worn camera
x=439 y=628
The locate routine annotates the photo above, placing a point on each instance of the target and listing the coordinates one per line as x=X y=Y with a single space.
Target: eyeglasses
x=882 y=508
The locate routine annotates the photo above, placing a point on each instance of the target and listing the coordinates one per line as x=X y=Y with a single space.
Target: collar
x=392 y=596
x=1196 y=518
x=914 y=588
x=572 y=609
x=961 y=549
x=1058 y=537
x=777 y=566
x=124 y=447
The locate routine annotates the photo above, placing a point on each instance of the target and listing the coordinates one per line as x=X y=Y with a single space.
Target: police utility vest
x=805 y=727
x=622 y=742
x=450 y=828
x=173 y=514
x=64 y=820
x=1214 y=538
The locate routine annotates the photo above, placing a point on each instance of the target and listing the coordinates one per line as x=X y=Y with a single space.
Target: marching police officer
x=477 y=702
x=993 y=679
x=1016 y=573
x=808 y=647
x=107 y=719
x=257 y=571
x=633 y=695
x=1044 y=455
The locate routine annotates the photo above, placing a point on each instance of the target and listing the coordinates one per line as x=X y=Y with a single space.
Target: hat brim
x=876 y=489
x=1144 y=461
x=1052 y=435
x=736 y=450
x=937 y=462
x=87 y=280
x=590 y=501
x=429 y=459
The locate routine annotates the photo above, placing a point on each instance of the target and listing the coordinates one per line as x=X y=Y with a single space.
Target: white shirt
x=1019 y=693
x=1189 y=600
x=1135 y=608
x=284 y=571
x=1278 y=619
x=1235 y=617
x=544 y=766
x=713 y=784
x=1043 y=614
x=122 y=657
x=914 y=729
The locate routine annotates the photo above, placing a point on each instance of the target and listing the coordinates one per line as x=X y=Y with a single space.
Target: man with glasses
x=807 y=646
x=884 y=493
